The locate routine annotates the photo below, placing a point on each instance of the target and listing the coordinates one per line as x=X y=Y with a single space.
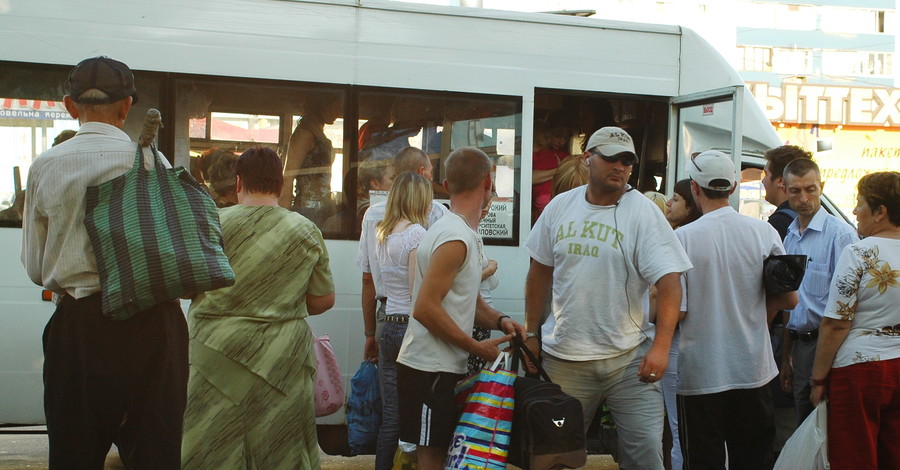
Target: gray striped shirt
x=56 y=250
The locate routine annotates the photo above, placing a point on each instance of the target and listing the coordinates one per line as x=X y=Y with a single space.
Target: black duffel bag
x=548 y=424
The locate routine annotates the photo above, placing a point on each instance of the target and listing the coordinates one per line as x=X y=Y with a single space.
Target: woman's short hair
x=373 y=169
x=260 y=170
x=570 y=174
x=409 y=199
x=882 y=189
x=683 y=189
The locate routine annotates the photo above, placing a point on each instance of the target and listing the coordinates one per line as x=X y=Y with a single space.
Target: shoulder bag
x=156 y=237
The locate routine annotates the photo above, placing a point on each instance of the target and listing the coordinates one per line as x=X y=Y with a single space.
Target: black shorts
x=428 y=411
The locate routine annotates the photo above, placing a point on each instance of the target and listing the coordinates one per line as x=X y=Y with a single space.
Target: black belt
x=805 y=336
x=401 y=319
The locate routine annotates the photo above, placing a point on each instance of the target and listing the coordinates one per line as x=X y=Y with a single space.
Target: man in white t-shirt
x=600 y=247
x=446 y=305
x=725 y=362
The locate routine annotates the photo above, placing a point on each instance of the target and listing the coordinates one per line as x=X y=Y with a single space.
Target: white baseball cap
x=712 y=170
x=611 y=141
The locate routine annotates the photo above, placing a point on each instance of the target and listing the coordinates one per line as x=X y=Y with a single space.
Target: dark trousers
x=122 y=382
x=740 y=420
x=802 y=358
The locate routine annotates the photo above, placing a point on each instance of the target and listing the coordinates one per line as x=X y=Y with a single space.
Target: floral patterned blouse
x=866 y=290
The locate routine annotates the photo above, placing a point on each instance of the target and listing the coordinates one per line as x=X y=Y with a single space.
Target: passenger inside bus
x=551 y=142
x=408 y=116
x=221 y=178
x=202 y=168
x=376 y=173
x=307 y=167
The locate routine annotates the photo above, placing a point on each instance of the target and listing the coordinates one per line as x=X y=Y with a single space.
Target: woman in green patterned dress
x=250 y=392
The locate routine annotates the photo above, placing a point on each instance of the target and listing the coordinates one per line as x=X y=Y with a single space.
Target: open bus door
x=702 y=121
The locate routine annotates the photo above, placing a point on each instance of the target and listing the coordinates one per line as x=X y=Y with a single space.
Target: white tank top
x=422 y=350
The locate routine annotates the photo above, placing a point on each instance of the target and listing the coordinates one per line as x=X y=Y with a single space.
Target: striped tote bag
x=481 y=438
x=156 y=237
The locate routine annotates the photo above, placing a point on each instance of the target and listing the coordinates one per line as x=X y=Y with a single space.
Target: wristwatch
x=531 y=334
x=818 y=382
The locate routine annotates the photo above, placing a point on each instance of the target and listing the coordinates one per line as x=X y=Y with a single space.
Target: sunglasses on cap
x=694 y=157
x=626 y=158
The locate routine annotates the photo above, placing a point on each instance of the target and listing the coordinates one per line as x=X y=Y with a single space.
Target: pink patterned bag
x=329 y=382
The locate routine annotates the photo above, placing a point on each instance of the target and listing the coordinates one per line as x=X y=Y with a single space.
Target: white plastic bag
x=807 y=449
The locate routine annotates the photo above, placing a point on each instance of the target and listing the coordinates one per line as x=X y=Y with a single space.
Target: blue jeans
x=389 y=337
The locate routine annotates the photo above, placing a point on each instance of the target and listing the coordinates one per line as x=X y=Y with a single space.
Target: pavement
x=29 y=452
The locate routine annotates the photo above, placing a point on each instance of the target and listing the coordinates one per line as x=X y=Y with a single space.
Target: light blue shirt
x=822 y=242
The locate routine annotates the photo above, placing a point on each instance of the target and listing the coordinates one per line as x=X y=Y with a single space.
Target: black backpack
x=548 y=424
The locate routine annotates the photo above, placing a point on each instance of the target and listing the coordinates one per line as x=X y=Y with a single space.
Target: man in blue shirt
x=821 y=237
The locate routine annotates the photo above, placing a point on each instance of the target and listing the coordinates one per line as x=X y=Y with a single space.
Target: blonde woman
x=571 y=173
x=398 y=234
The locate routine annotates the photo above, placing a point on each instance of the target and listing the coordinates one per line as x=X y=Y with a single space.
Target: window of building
x=796 y=17
x=755 y=59
x=857 y=63
x=852 y=20
x=792 y=61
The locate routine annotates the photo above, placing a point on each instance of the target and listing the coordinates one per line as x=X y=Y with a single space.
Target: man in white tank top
x=446 y=304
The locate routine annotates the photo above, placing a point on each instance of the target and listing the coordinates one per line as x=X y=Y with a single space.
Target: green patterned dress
x=250 y=393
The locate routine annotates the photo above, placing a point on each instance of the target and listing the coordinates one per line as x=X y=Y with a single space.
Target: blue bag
x=364 y=410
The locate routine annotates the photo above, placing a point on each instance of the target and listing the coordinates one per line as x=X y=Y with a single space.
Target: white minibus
x=236 y=73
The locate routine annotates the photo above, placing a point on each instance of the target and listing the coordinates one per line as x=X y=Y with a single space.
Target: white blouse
x=393 y=259
x=866 y=291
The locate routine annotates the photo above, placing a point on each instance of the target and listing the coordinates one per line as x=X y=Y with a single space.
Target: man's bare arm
x=369 y=306
x=668 y=306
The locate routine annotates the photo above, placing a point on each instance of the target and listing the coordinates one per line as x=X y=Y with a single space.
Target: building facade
x=824 y=71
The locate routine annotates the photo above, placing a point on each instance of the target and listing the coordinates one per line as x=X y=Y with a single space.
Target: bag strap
x=519 y=349
x=139 y=158
x=506 y=360
x=787 y=210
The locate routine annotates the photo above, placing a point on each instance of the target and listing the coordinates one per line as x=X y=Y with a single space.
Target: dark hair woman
x=250 y=392
x=858 y=354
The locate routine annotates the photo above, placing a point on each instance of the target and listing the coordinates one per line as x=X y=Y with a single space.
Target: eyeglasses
x=626 y=158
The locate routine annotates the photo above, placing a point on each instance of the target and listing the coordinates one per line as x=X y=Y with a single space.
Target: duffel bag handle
x=519 y=349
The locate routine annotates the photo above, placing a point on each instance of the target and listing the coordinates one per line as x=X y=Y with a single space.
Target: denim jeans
x=389 y=337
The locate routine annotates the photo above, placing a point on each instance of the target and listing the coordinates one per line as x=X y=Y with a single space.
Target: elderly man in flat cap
x=105 y=381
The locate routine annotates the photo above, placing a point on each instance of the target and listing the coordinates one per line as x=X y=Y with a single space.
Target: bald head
x=466 y=168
